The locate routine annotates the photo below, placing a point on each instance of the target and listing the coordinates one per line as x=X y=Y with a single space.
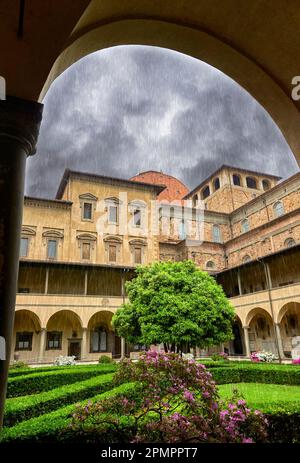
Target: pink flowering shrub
x=296 y=361
x=176 y=400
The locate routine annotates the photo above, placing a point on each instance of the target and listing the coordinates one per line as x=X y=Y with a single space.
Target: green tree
x=176 y=304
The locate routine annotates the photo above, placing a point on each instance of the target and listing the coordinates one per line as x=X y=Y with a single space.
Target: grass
x=265 y=397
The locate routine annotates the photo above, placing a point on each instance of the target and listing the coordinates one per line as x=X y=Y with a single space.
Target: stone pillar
x=239 y=282
x=85 y=282
x=42 y=344
x=46 y=280
x=19 y=127
x=279 y=339
x=84 y=353
x=247 y=342
x=122 y=348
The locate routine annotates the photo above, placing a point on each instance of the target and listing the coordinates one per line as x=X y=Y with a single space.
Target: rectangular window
x=112 y=253
x=113 y=214
x=52 y=249
x=86 y=251
x=137 y=217
x=54 y=339
x=23 y=341
x=24 y=247
x=137 y=255
x=87 y=211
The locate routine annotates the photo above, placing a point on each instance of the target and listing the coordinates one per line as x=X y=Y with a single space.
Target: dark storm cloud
x=129 y=109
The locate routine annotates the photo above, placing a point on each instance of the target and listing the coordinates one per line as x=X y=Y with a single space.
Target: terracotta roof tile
x=175 y=189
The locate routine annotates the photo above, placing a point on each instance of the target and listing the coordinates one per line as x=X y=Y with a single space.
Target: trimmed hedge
x=17 y=409
x=40 y=382
x=46 y=427
x=29 y=371
x=276 y=374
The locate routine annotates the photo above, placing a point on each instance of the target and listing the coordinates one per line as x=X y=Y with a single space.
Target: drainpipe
x=269 y=286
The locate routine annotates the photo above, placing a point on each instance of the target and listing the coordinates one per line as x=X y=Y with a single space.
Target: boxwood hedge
x=17 y=409
x=46 y=427
x=44 y=381
x=29 y=371
x=276 y=374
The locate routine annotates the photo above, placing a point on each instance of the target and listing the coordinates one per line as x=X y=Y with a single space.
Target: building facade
x=78 y=250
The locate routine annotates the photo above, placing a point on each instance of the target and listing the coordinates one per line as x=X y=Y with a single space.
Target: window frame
x=99 y=329
x=236 y=176
x=210 y=267
x=275 y=209
x=139 y=210
x=205 y=192
x=54 y=333
x=250 y=179
x=219 y=237
x=23 y=333
x=84 y=204
x=53 y=240
x=83 y=243
x=27 y=246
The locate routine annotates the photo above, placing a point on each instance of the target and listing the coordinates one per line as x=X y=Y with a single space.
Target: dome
x=175 y=189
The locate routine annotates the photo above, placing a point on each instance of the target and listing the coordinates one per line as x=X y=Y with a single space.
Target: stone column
x=19 y=127
x=247 y=342
x=46 y=280
x=85 y=282
x=122 y=348
x=239 y=282
x=279 y=339
x=42 y=344
x=84 y=344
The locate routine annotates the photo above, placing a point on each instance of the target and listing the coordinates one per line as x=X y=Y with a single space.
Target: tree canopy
x=176 y=304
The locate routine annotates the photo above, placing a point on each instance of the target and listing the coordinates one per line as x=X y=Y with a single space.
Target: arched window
x=210 y=264
x=195 y=200
x=99 y=340
x=246 y=258
x=236 y=179
x=278 y=209
x=251 y=182
x=216 y=234
x=205 y=192
x=266 y=185
x=245 y=226
x=216 y=184
x=289 y=242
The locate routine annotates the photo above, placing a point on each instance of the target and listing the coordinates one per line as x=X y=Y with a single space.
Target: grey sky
x=129 y=109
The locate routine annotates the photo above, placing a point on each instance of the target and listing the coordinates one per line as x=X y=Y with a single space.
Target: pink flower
x=188 y=396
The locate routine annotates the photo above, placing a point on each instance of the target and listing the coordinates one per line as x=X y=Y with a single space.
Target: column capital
x=20 y=121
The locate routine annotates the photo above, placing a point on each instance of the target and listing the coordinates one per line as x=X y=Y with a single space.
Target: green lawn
x=265 y=397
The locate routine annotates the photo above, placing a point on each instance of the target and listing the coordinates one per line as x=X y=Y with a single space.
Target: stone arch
x=66 y=315
x=289 y=327
x=26 y=335
x=262 y=335
x=254 y=312
x=101 y=337
x=22 y=315
x=290 y=306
